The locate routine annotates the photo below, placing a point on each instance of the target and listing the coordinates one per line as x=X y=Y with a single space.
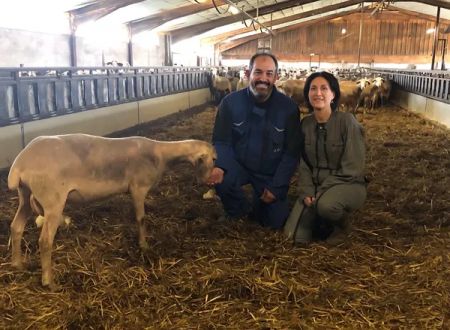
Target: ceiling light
x=234 y=10
x=344 y=31
x=431 y=30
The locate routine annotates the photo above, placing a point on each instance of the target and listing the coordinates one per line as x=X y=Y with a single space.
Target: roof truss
x=193 y=30
x=153 y=21
x=224 y=36
x=96 y=9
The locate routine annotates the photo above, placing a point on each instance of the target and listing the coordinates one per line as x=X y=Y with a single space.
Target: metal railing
x=429 y=83
x=36 y=93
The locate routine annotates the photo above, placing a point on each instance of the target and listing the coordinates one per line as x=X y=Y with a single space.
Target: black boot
x=340 y=232
x=304 y=231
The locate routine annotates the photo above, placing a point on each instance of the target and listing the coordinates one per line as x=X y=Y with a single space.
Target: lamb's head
x=203 y=159
x=363 y=83
x=378 y=81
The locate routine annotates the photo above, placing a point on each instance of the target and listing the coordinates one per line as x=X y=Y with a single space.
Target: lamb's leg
x=18 y=224
x=138 y=194
x=52 y=221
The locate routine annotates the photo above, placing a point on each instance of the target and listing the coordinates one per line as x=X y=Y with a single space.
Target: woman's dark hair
x=334 y=85
x=253 y=58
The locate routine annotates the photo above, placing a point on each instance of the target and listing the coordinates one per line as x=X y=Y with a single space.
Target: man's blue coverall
x=257 y=143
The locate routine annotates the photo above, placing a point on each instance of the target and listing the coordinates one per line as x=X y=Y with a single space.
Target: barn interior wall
x=429 y=108
x=383 y=41
x=146 y=55
x=90 y=54
x=33 y=48
x=37 y=49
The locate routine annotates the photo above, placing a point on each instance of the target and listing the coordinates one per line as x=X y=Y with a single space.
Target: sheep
x=294 y=89
x=243 y=80
x=384 y=90
x=243 y=83
x=349 y=95
x=234 y=81
x=78 y=168
x=354 y=93
x=221 y=87
x=365 y=94
x=121 y=67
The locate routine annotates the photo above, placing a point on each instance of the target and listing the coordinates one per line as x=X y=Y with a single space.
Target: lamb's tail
x=13 y=179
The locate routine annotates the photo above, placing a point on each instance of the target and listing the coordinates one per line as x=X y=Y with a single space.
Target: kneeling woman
x=331 y=180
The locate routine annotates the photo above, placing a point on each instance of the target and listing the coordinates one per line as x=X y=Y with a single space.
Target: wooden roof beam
x=224 y=36
x=193 y=30
x=97 y=9
x=153 y=21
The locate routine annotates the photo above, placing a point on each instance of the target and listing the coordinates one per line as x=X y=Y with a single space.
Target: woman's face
x=320 y=94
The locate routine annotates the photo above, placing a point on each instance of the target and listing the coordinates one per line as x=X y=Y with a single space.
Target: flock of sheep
x=356 y=91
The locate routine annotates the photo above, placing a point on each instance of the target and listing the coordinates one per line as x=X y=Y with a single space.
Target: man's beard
x=261 y=96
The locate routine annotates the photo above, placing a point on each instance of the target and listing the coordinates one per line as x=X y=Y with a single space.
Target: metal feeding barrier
x=433 y=84
x=32 y=93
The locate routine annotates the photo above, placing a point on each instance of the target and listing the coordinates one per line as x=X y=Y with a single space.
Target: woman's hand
x=216 y=176
x=309 y=201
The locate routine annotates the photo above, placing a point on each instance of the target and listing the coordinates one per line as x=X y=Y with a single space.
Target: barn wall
x=429 y=108
x=387 y=38
x=101 y=121
x=33 y=48
x=45 y=49
x=149 y=55
x=90 y=54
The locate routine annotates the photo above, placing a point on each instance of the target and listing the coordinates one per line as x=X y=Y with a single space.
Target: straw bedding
x=392 y=273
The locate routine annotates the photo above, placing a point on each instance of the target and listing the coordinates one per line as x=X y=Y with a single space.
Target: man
x=257 y=139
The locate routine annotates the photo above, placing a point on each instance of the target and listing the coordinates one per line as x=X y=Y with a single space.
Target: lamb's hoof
x=51 y=286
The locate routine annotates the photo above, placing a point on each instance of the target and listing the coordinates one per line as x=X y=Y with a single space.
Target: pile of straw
x=393 y=272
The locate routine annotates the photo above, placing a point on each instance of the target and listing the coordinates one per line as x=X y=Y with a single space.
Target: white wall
x=46 y=49
x=33 y=48
x=429 y=108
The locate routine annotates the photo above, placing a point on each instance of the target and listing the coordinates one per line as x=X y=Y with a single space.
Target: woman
x=331 y=179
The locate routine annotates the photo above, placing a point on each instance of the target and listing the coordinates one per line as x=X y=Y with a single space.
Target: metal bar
x=360 y=33
x=436 y=37
x=73 y=41
x=34 y=93
x=231 y=3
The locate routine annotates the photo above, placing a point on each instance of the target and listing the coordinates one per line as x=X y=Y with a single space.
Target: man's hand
x=309 y=201
x=216 y=176
x=267 y=197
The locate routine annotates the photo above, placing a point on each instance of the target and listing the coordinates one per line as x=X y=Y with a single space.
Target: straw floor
x=392 y=273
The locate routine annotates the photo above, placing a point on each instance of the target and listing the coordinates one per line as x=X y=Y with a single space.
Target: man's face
x=262 y=77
